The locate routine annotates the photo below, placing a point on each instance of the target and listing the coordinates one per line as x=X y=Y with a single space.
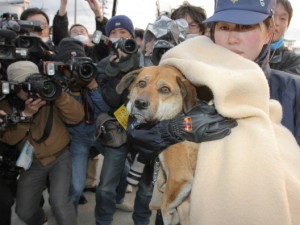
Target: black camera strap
x=48 y=127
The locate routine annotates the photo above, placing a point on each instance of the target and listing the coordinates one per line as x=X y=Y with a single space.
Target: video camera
x=160 y=47
x=9 y=21
x=37 y=86
x=21 y=47
x=83 y=69
x=15 y=46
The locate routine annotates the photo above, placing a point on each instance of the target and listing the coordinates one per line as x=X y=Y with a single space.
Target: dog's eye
x=165 y=90
x=142 y=84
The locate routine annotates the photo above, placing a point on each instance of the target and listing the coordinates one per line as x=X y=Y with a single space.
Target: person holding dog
x=260 y=157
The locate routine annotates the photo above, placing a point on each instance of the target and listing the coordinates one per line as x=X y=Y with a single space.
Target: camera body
x=82 y=68
x=41 y=86
x=21 y=48
x=127 y=45
x=14 y=46
x=13 y=119
x=159 y=48
x=37 y=86
x=10 y=21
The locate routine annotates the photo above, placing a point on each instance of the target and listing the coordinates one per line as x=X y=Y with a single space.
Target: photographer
x=110 y=71
x=161 y=36
x=87 y=92
x=78 y=31
x=46 y=139
x=41 y=48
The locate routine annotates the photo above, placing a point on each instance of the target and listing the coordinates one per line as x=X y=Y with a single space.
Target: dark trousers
x=7 y=196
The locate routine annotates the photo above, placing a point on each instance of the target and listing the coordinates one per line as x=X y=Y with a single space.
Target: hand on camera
x=118 y=56
x=32 y=106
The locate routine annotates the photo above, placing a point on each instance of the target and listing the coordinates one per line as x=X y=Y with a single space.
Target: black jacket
x=285 y=87
x=110 y=74
x=285 y=60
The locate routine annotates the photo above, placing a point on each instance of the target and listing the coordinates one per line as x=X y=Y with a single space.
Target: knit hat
x=66 y=47
x=120 y=21
x=20 y=70
x=243 y=12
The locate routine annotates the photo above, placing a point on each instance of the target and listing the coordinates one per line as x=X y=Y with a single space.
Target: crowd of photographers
x=53 y=89
x=51 y=97
x=52 y=92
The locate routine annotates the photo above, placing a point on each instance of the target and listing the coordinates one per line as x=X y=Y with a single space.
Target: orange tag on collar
x=187 y=123
x=122 y=115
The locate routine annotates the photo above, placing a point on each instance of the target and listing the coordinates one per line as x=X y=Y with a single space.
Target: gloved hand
x=202 y=123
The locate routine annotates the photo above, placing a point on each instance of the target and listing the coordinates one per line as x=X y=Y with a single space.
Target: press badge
x=122 y=115
x=26 y=156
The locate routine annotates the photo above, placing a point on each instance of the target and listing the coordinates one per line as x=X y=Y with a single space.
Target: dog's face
x=157 y=93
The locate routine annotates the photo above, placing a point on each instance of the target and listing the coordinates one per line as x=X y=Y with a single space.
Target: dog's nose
x=141 y=104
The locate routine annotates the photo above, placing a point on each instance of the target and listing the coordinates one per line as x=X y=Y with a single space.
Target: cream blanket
x=251 y=177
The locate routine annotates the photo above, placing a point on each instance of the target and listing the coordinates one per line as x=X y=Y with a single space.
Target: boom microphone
x=13 y=25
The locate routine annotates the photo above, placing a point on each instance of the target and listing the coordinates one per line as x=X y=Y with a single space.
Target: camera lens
x=130 y=46
x=5 y=51
x=49 y=88
x=87 y=72
x=25 y=42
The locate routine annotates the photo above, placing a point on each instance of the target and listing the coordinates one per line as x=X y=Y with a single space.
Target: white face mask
x=82 y=38
x=44 y=39
x=114 y=40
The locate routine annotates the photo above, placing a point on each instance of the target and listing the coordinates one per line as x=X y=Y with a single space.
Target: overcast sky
x=143 y=11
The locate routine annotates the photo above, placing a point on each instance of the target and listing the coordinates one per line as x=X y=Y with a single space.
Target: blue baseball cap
x=244 y=12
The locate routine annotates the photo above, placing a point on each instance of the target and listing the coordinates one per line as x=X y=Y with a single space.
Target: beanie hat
x=20 y=70
x=120 y=21
x=245 y=12
x=67 y=47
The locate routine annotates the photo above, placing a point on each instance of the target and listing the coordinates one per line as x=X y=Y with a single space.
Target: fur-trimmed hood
x=251 y=176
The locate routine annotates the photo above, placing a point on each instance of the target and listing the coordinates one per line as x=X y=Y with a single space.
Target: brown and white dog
x=159 y=93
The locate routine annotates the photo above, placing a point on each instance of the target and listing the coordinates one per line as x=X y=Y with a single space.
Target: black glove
x=202 y=123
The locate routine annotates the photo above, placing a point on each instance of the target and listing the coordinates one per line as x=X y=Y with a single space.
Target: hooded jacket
x=252 y=176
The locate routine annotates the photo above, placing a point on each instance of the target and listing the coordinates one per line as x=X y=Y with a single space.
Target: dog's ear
x=127 y=80
x=189 y=94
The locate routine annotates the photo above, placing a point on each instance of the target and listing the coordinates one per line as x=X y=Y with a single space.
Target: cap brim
x=242 y=17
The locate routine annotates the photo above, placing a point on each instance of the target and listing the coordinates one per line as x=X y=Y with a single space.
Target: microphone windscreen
x=13 y=25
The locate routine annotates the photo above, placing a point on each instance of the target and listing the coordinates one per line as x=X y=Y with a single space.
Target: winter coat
x=109 y=75
x=285 y=60
x=66 y=110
